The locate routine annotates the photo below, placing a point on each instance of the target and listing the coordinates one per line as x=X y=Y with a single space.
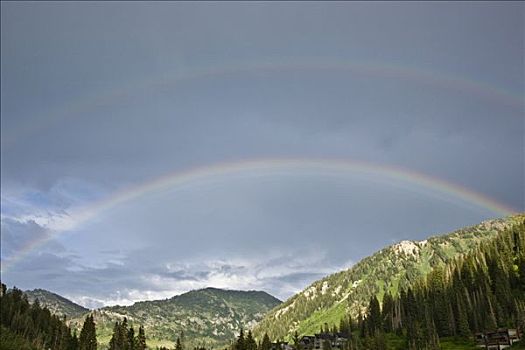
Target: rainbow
x=273 y=167
x=172 y=80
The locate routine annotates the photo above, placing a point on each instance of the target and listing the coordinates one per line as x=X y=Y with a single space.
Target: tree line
x=124 y=338
x=26 y=326
x=477 y=292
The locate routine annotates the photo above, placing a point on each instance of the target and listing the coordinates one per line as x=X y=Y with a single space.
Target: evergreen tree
x=123 y=335
x=141 y=340
x=131 y=339
x=73 y=343
x=387 y=312
x=266 y=343
x=26 y=326
x=374 y=316
x=249 y=343
x=240 y=344
x=440 y=309
x=88 y=337
x=476 y=292
x=461 y=319
x=113 y=342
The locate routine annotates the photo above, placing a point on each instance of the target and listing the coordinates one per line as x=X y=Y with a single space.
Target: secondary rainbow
x=171 y=80
x=271 y=167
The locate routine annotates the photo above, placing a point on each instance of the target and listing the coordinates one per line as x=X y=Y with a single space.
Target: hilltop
x=57 y=304
x=209 y=316
x=392 y=269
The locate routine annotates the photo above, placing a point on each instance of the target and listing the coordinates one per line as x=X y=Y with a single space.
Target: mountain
x=25 y=326
x=57 y=304
x=392 y=269
x=207 y=316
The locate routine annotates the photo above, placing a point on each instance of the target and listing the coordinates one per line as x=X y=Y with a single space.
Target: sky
x=148 y=149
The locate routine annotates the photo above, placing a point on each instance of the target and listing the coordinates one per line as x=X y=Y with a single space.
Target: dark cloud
x=17 y=236
x=93 y=103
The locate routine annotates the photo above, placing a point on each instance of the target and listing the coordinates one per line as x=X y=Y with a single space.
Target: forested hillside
x=26 y=326
x=57 y=304
x=208 y=317
x=482 y=290
x=388 y=272
x=433 y=294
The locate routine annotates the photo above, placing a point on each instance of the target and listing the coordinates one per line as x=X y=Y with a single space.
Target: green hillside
x=57 y=304
x=25 y=326
x=208 y=316
x=391 y=269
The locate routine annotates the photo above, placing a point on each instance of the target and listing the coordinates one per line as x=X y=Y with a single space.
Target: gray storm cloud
x=100 y=97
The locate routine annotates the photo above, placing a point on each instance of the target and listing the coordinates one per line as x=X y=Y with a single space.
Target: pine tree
x=240 y=344
x=374 y=316
x=387 y=312
x=131 y=339
x=461 y=319
x=440 y=307
x=141 y=339
x=249 y=342
x=88 y=337
x=113 y=342
x=123 y=335
x=266 y=343
x=73 y=343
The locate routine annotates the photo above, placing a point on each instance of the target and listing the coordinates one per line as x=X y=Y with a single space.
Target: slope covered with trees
x=208 y=317
x=29 y=326
x=26 y=326
x=382 y=276
x=479 y=291
x=57 y=304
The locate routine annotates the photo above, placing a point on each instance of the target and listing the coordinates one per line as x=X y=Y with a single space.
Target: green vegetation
x=26 y=326
x=478 y=291
x=395 y=268
x=455 y=343
x=88 y=335
x=429 y=295
x=57 y=304
x=208 y=317
x=124 y=338
x=9 y=340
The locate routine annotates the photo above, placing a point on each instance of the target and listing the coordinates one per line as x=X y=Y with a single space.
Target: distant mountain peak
x=56 y=303
x=210 y=316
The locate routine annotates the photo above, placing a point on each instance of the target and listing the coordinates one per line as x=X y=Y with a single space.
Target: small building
x=325 y=341
x=497 y=340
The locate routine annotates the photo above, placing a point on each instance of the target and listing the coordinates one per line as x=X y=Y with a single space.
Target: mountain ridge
x=56 y=303
x=232 y=310
x=210 y=316
x=213 y=316
x=325 y=301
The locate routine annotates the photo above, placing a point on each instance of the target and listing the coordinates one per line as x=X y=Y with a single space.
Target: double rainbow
x=270 y=167
x=173 y=80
